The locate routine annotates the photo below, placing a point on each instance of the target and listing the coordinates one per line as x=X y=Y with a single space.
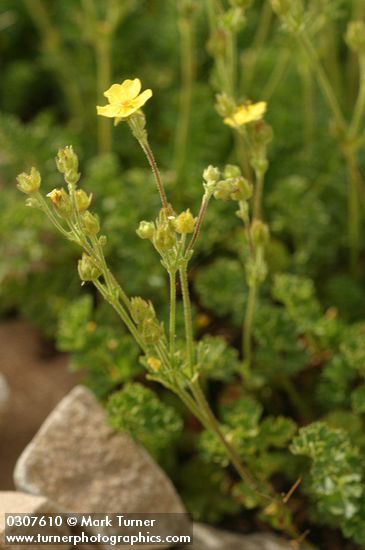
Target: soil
x=38 y=378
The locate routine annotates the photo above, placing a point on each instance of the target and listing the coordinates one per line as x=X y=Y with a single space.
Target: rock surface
x=209 y=538
x=12 y=502
x=77 y=461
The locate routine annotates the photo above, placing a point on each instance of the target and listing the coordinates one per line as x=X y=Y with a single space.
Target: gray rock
x=209 y=538
x=77 y=461
x=20 y=503
x=4 y=396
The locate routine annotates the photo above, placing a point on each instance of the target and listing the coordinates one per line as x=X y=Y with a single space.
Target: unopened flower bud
x=355 y=36
x=232 y=171
x=152 y=331
x=137 y=123
x=82 y=200
x=141 y=310
x=146 y=230
x=165 y=237
x=91 y=223
x=29 y=183
x=32 y=202
x=243 y=190
x=216 y=45
x=61 y=201
x=87 y=269
x=184 y=223
x=67 y=163
x=256 y=271
x=234 y=19
x=225 y=105
x=260 y=164
x=154 y=363
x=211 y=174
x=223 y=190
x=67 y=160
x=262 y=133
x=259 y=233
x=281 y=7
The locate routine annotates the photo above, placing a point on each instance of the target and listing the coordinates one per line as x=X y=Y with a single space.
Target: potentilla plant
x=174 y=236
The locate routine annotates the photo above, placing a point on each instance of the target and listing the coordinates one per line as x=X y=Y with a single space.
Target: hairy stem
x=323 y=80
x=172 y=321
x=213 y=425
x=203 y=209
x=257 y=200
x=247 y=328
x=187 y=316
x=360 y=102
x=156 y=173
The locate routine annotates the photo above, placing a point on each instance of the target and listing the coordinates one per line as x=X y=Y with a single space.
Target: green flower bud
x=184 y=223
x=165 y=238
x=67 y=160
x=137 y=123
x=146 y=230
x=152 y=331
x=355 y=36
x=232 y=171
x=217 y=43
x=234 y=19
x=91 y=223
x=260 y=164
x=256 y=271
x=223 y=190
x=262 y=133
x=141 y=310
x=67 y=163
x=259 y=233
x=243 y=190
x=103 y=240
x=61 y=201
x=281 y=7
x=87 y=269
x=225 y=105
x=82 y=200
x=211 y=174
x=29 y=183
x=32 y=202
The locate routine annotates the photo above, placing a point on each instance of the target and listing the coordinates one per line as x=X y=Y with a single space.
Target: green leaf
x=72 y=324
x=358 y=400
x=276 y=431
x=216 y=359
x=138 y=411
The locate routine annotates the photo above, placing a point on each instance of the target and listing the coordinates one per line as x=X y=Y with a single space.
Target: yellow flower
x=124 y=99
x=154 y=363
x=56 y=196
x=248 y=112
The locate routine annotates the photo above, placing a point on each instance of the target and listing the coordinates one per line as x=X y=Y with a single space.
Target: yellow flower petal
x=113 y=93
x=124 y=99
x=130 y=89
x=230 y=122
x=142 y=98
x=108 y=110
x=246 y=113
